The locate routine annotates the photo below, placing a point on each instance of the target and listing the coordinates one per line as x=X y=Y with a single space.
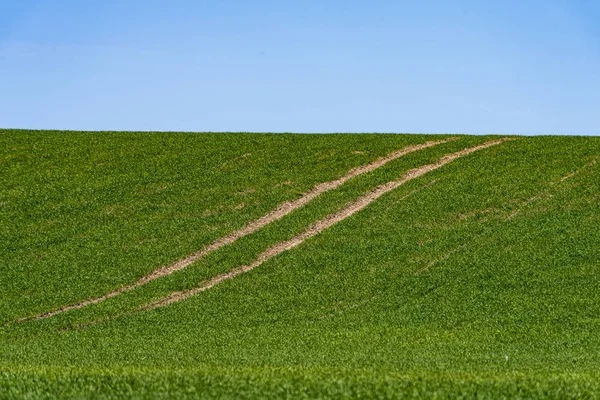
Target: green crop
x=479 y=279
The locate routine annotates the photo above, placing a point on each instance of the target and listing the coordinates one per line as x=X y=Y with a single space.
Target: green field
x=480 y=278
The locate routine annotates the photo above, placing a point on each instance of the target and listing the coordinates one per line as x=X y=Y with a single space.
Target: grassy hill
x=479 y=277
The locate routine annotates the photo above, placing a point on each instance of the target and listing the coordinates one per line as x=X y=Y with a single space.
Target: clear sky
x=527 y=67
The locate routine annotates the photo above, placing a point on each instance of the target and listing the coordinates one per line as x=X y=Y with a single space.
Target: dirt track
x=321 y=225
x=278 y=213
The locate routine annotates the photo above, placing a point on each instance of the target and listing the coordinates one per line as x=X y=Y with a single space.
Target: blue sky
x=527 y=67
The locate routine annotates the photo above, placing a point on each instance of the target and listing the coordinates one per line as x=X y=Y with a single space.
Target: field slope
x=206 y=265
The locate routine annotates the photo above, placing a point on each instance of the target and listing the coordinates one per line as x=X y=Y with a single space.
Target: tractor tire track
x=319 y=226
x=544 y=194
x=278 y=213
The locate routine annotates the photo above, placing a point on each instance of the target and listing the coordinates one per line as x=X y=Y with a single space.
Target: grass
x=476 y=280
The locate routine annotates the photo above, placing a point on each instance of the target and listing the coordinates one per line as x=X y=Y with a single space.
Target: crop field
x=243 y=265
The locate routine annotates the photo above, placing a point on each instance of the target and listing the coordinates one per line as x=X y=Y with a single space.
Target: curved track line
x=540 y=195
x=321 y=225
x=278 y=213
